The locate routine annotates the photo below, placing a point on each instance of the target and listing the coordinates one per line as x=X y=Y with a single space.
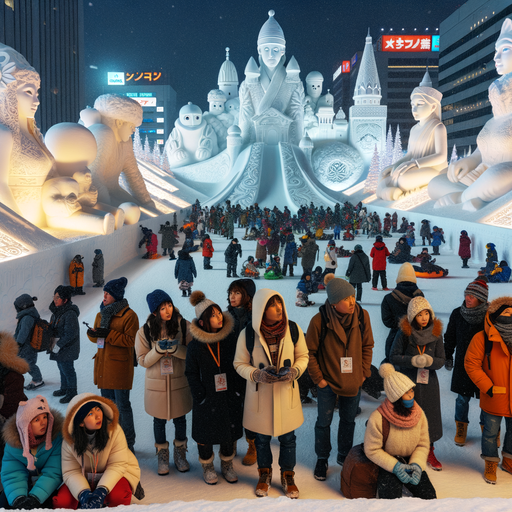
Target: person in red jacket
x=207 y=252
x=379 y=253
x=464 y=248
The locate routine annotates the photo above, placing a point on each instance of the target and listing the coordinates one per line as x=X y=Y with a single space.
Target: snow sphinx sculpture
x=486 y=175
x=426 y=151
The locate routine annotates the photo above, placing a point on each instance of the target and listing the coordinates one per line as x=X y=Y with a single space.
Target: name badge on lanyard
x=166 y=367
x=101 y=342
x=221 y=382
x=422 y=376
x=346 y=364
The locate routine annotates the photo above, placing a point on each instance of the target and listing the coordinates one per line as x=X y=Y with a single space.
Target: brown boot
x=180 y=456
x=506 y=463
x=264 y=482
x=462 y=430
x=288 y=484
x=250 y=456
x=162 y=452
x=490 y=471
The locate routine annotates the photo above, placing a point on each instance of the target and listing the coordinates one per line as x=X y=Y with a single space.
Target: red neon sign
x=406 y=44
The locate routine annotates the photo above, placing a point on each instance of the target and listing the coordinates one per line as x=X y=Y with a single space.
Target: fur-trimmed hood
x=109 y=410
x=213 y=337
x=407 y=328
x=9 y=357
x=497 y=303
x=12 y=436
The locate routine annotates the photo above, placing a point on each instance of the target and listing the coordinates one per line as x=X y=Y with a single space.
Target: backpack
x=249 y=335
x=42 y=334
x=359 y=473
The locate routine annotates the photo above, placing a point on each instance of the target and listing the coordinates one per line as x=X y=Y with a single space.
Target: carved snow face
x=503 y=57
x=314 y=89
x=124 y=129
x=216 y=107
x=420 y=108
x=191 y=119
x=28 y=100
x=271 y=54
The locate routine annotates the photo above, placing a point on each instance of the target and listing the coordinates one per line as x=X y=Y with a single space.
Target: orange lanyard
x=213 y=355
x=421 y=351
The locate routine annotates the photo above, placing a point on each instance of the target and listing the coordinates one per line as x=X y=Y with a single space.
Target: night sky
x=187 y=38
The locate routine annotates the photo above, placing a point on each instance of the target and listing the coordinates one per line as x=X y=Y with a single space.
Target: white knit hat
x=200 y=303
x=396 y=384
x=406 y=273
x=417 y=305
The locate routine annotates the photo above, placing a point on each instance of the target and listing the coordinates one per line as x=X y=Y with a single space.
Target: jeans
x=359 y=291
x=347 y=409
x=180 y=429
x=490 y=435
x=286 y=452
x=67 y=374
x=383 y=278
x=121 y=397
x=206 y=262
x=30 y=355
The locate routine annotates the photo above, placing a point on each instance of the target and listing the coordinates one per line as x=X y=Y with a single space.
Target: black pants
x=389 y=487
x=231 y=269
x=286 y=266
x=206 y=450
x=249 y=434
x=436 y=250
x=383 y=279
x=4 y=504
x=465 y=262
x=359 y=291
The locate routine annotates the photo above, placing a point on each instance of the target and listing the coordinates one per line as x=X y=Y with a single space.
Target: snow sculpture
x=119 y=116
x=192 y=139
x=271 y=96
x=427 y=149
x=486 y=174
x=233 y=107
x=314 y=83
x=217 y=117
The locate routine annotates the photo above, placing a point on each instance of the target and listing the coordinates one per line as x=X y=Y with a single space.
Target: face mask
x=408 y=403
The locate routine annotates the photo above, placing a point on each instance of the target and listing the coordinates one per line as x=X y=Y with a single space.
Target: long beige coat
x=270 y=409
x=165 y=396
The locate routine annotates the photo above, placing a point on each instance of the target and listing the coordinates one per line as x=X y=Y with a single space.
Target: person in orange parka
x=379 y=253
x=76 y=275
x=488 y=364
x=207 y=252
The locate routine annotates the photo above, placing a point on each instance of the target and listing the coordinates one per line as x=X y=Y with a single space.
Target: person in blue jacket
x=184 y=272
x=500 y=273
x=437 y=238
x=290 y=255
x=33 y=449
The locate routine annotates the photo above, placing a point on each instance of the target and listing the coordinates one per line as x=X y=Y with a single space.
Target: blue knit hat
x=97 y=251
x=157 y=297
x=116 y=288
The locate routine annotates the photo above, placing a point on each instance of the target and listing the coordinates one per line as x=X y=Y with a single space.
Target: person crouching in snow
x=33 y=449
x=98 y=469
x=402 y=456
x=304 y=288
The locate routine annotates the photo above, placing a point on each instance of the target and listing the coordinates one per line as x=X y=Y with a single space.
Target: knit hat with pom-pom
x=200 y=302
x=396 y=384
x=337 y=289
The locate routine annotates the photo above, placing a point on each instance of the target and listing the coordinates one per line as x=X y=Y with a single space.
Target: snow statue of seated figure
x=487 y=173
x=113 y=124
x=217 y=117
x=426 y=151
x=192 y=138
x=314 y=83
x=271 y=96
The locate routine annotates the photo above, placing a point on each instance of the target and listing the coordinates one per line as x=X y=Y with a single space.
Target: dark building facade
x=50 y=35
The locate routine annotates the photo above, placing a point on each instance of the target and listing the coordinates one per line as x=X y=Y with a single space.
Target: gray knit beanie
x=337 y=289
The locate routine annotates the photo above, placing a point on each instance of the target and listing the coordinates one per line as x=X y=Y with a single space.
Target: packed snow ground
x=459 y=484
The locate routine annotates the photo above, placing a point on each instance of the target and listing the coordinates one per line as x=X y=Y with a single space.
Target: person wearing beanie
x=217 y=390
x=169 y=239
x=402 y=456
x=290 y=255
x=437 y=239
x=207 y=252
x=33 y=443
x=340 y=343
x=358 y=271
x=464 y=248
x=330 y=258
x=308 y=252
x=26 y=316
x=76 y=275
x=271 y=354
x=231 y=254
x=500 y=273
x=304 y=289
x=418 y=351
x=98 y=268
x=425 y=232
x=402 y=252
x=66 y=350
x=98 y=468
x=161 y=348
x=465 y=321
x=184 y=272
x=114 y=331
x=488 y=365
x=379 y=253
x=394 y=305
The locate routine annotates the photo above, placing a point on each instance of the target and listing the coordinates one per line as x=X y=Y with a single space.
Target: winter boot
x=189 y=291
x=209 y=473
x=264 y=482
x=60 y=392
x=490 y=471
x=462 y=430
x=432 y=460
x=164 y=253
x=506 y=463
x=183 y=293
x=162 y=452
x=250 y=456
x=228 y=471
x=180 y=456
x=320 y=472
x=173 y=257
x=288 y=484
x=70 y=394
x=80 y=290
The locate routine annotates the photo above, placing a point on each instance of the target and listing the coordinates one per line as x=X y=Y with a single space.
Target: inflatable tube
x=430 y=275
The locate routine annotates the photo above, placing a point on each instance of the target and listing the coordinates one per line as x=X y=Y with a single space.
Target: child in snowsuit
x=500 y=274
x=231 y=254
x=464 y=248
x=317 y=280
x=304 y=288
x=437 y=238
x=207 y=252
x=98 y=266
x=184 y=272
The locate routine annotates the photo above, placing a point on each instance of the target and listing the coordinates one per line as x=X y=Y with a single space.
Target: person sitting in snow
x=304 y=288
x=500 y=273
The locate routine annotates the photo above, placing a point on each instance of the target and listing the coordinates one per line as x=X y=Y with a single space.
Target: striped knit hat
x=479 y=289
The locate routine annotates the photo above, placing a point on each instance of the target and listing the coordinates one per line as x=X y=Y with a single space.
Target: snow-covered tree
x=137 y=145
x=387 y=157
x=372 y=180
x=147 y=150
x=397 y=148
x=454 y=156
x=155 y=155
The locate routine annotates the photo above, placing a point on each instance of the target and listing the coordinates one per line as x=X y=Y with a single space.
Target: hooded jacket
x=26 y=320
x=208 y=248
x=379 y=253
x=64 y=321
x=270 y=409
x=16 y=476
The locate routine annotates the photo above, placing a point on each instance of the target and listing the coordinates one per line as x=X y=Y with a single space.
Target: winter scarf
x=345 y=322
x=405 y=292
x=423 y=336
x=273 y=334
x=505 y=329
x=107 y=312
x=476 y=315
x=388 y=411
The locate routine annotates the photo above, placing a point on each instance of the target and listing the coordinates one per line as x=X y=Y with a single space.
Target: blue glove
x=400 y=470
x=167 y=344
x=83 y=498
x=416 y=474
x=97 y=498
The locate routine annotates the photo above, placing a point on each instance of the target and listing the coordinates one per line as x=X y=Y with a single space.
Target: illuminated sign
x=345 y=66
x=160 y=120
x=353 y=60
x=143 y=77
x=406 y=44
x=146 y=102
x=160 y=141
x=337 y=73
x=159 y=109
x=114 y=78
x=160 y=131
x=435 y=43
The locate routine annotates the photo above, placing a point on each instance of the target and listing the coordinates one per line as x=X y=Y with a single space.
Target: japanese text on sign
x=406 y=44
x=145 y=77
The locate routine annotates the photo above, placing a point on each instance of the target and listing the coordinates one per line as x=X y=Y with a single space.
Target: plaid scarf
x=273 y=334
x=107 y=312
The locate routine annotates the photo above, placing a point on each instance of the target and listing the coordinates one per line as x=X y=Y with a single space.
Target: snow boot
x=80 y=290
x=432 y=461
x=288 y=484
x=506 y=463
x=264 y=482
x=320 y=472
x=490 y=471
x=60 y=392
x=226 y=465
x=180 y=456
x=162 y=452
x=183 y=293
x=189 y=291
x=209 y=473
x=462 y=430
x=70 y=394
x=250 y=456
